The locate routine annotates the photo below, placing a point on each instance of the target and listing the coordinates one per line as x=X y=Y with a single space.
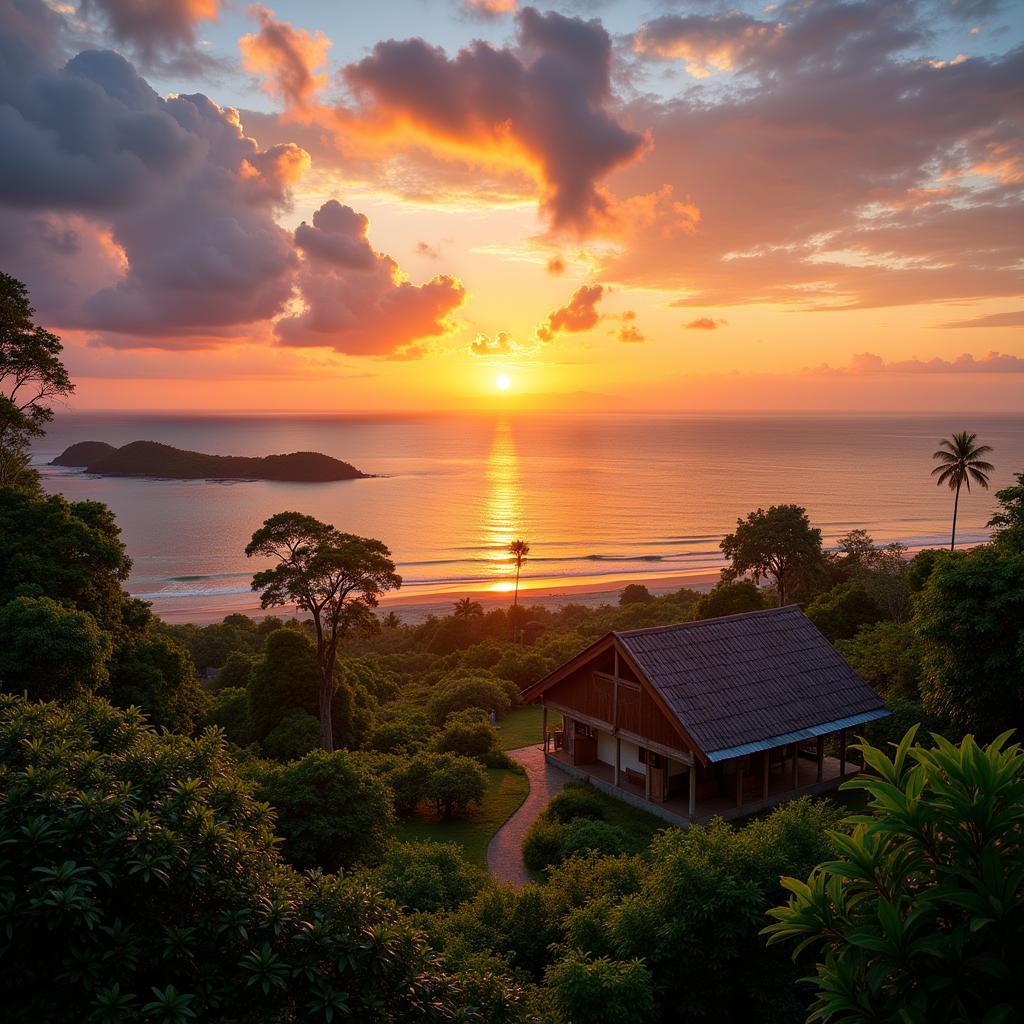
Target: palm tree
x=518 y=549
x=467 y=608
x=960 y=461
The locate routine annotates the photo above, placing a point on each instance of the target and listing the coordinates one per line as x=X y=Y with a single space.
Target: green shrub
x=843 y=610
x=229 y=710
x=576 y=800
x=729 y=598
x=403 y=734
x=468 y=692
x=428 y=877
x=235 y=672
x=332 y=811
x=297 y=734
x=469 y=733
x=602 y=991
x=544 y=844
x=450 y=781
x=585 y=836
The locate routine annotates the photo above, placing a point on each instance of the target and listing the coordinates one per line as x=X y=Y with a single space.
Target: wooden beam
x=821 y=758
x=764 y=780
x=545 y=729
x=683 y=756
x=842 y=752
x=739 y=782
x=693 y=792
x=618 y=759
x=795 y=776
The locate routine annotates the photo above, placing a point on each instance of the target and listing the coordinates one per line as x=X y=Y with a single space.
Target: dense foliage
x=921 y=915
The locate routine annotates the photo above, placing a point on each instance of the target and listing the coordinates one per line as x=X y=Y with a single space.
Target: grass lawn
x=506 y=790
x=523 y=727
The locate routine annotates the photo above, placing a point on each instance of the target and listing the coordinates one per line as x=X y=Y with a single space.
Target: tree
x=635 y=593
x=336 y=577
x=468 y=733
x=428 y=877
x=331 y=809
x=49 y=651
x=777 y=543
x=31 y=377
x=889 y=656
x=843 y=610
x=468 y=692
x=601 y=991
x=518 y=549
x=286 y=678
x=454 y=783
x=467 y=608
x=921 y=916
x=729 y=597
x=235 y=672
x=295 y=735
x=1007 y=523
x=960 y=462
x=229 y=711
x=970 y=617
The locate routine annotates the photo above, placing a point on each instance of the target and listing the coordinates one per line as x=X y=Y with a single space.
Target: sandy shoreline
x=412 y=607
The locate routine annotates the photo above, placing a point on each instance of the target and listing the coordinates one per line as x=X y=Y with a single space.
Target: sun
x=503 y=382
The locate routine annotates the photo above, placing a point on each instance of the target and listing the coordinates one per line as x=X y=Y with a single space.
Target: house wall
x=629 y=754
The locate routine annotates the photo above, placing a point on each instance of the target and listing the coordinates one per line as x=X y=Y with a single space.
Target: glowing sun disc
x=503 y=382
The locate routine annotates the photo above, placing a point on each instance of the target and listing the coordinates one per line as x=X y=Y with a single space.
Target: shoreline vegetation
x=153 y=460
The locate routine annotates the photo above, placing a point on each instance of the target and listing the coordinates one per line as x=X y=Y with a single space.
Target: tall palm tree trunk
x=515 y=596
x=956 y=503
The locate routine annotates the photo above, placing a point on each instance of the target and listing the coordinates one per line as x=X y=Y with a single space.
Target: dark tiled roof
x=747 y=679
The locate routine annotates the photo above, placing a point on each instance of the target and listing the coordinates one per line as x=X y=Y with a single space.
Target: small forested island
x=163 y=461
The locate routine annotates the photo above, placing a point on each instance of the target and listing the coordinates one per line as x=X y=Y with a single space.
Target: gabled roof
x=745 y=682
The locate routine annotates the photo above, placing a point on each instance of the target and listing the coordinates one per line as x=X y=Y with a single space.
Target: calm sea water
x=599 y=498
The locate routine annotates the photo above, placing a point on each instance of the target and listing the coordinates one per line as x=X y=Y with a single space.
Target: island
x=162 y=461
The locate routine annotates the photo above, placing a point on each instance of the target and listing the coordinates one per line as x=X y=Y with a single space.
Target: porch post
x=842 y=752
x=821 y=758
x=618 y=759
x=739 y=782
x=764 y=781
x=545 y=728
x=796 y=766
x=693 y=790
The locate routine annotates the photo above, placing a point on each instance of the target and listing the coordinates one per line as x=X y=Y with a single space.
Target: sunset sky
x=376 y=206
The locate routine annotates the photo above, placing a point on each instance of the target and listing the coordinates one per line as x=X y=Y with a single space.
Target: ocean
x=601 y=499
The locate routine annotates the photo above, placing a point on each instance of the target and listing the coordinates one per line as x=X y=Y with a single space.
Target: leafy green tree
x=971 y=619
x=234 y=673
x=428 y=877
x=336 y=577
x=139 y=877
x=295 y=735
x=779 y=543
x=521 y=666
x=843 y=610
x=1007 y=522
x=468 y=692
x=404 y=733
x=332 y=811
x=729 y=597
x=49 y=651
x=469 y=733
x=960 y=462
x=921 y=915
x=591 y=990
x=32 y=377
x=455 y=782
x=467 y=608
x=285 y=678
x=888 y=655
x=635 y=593
x=229 y=711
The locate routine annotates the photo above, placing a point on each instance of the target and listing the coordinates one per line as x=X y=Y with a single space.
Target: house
x=717 y=717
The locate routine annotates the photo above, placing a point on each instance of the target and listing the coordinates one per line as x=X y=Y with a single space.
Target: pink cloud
x=866 y=363
x=577 y=315
x=705 y=323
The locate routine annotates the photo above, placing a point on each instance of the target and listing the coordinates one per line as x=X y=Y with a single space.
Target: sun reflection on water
x=503 y=512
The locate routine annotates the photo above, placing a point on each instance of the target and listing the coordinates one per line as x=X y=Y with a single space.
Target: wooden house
x=717 y=717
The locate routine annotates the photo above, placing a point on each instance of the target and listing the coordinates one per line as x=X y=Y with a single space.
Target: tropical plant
x=921 y=915
x=428 y=877
x=336 y=577
x=467 y=608
x=1007 y=522
x=518 y=550
x=590 y=990
x=960 y=461
x=779 y=543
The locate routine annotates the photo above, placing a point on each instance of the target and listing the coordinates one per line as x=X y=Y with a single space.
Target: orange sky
x=811 y=208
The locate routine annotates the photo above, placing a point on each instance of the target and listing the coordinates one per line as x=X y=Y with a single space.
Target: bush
x=576 y=800
x=729 y=598
x=522 y=668
x=332 y=811
x=544 y=844
x=586 y=836
x=602 y=991
x=297 y=734
x=134 y=861
x=635 y=593
x=428 y=877
x=229 y=711
x=921 y=916
x=404 y=734
x=450 y=781
x=889 y=656
x=468 y=692
x=468 y=733
x=844 y=610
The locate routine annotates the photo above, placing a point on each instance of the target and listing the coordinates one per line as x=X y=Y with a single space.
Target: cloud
x=1014 y=318
x=356 y=300
x=555 y=266
x=704 y=323
x=489 y=8
x=500 y=345
x=427 y=250
x=158 y=31
x=546 y=105
x=577 y=315
x=287 y=58
x=707 y=43
x=628 y=331
x=868 y=363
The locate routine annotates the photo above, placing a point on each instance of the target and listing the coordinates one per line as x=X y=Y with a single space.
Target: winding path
x=504 y=857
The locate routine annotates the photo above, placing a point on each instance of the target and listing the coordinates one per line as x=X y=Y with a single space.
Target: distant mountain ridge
x=155 y=460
